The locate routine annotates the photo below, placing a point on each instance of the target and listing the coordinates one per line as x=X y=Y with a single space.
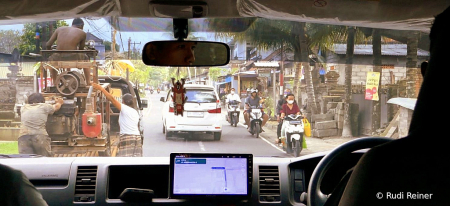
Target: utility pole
x=129 y=45
x=134 y=48
x=113 y=44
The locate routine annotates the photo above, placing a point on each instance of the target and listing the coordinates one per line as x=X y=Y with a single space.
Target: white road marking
x=202 y=147
x=149 y=109
x=265 y=140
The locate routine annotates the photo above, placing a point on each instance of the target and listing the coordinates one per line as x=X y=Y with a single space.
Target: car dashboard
x=101 y=180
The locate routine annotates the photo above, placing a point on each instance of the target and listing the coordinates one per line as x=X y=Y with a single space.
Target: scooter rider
x=232 y=97
x=253 y=100
x=289 y=108
x=280 y=104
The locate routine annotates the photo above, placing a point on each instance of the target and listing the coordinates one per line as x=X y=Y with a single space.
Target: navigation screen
x=226 y=175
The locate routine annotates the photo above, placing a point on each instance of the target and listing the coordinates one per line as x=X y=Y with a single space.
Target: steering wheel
x=315 y=197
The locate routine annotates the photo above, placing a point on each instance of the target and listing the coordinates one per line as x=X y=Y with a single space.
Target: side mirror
x=162 y=99
x=144 y=103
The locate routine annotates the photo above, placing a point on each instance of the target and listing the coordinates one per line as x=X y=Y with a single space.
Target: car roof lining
x=387 y=14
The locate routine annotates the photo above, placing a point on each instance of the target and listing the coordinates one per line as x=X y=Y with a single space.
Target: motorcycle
x=256 y=119
x=233 y=112
x=294 y=133
x=158 y=91
x=151 y=91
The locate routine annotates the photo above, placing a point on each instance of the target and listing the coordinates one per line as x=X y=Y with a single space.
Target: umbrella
x=119 y=65
x=124 y=64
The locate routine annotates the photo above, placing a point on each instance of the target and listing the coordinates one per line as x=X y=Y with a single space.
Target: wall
x=363 y=64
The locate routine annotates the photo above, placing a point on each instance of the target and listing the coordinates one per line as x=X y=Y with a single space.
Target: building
x=97 y=43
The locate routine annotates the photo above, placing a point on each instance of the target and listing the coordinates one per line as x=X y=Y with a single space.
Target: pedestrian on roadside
x=33 y=137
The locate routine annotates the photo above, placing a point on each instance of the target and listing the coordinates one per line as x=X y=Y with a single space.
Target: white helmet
x=253 y=90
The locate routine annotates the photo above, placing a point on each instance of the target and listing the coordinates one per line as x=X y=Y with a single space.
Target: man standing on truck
x=33 y=137
x=130 y=142
x=69 y=38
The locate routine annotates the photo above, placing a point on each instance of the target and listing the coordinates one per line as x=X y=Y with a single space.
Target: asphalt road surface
x=234 y=139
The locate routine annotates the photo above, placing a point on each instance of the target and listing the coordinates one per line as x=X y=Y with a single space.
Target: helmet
x=253 y=90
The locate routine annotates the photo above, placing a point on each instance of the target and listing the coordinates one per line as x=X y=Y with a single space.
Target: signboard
x=372 y=81
x=264 y=74
x=42 y=83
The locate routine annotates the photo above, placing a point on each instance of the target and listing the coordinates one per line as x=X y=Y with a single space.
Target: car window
x=201 y=96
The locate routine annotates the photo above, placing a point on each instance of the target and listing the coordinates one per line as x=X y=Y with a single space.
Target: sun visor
x=133 y=24
x=386 y=14
x=30 y=11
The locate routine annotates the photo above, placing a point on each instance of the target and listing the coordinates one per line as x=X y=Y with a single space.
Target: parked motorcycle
x=256 y=119
x=233 y=112
x=294 y=133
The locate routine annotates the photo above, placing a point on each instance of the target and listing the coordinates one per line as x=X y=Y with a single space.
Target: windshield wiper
x=20 y=156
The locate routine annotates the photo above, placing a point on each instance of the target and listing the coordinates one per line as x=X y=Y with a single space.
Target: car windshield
x=346 y=81
x=200 y=96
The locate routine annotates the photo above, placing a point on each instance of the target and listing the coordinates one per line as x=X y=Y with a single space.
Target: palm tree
x=411 y=63
x=347 y=127
x=273 y=34
x=376 y=47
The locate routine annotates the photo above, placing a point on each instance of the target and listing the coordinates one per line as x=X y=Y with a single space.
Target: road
x=234 y=139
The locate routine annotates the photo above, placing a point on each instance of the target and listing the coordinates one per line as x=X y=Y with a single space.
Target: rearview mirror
x=185 y=53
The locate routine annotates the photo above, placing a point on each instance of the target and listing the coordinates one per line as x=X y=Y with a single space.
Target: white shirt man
x=233 y=96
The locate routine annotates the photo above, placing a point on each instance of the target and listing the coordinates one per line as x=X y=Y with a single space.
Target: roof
x=266 y=64
x=90 y=36
x=404 y=102
x=386 y=49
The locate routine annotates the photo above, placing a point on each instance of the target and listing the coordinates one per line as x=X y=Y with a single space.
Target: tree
x=376 y=47
x=268 y=34
x=347 y=126
x=108 y=46
x=28 y=37
x=9 y=39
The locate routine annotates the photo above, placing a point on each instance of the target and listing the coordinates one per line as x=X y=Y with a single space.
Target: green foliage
x=269 y=107
x=9 y=39
x=108 y=46
x=216 y=72
x=28 y=37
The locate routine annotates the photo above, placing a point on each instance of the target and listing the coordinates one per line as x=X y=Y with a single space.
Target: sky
x=102 y=29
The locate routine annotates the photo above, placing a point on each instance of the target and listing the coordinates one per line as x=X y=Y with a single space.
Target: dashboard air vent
x=85 y=184
x=269 y=184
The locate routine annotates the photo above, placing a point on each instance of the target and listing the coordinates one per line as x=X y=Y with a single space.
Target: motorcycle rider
x=287 y=109
x=232 y=96
x=253 y=100
x=280 y=104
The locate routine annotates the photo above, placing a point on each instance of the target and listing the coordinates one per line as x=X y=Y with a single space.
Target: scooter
x=294 y=133
x=256 y=119
x=158 y=91
x=233 y=112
